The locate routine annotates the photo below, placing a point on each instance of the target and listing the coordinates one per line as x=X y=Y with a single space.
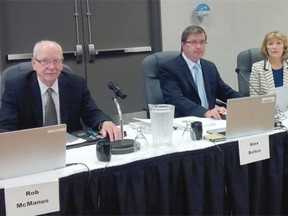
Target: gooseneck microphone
x=122 y=146
x=118 y=92
x=238 y=71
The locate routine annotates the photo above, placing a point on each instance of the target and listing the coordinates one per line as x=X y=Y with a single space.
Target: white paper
x=32 y=199
x=253 y=148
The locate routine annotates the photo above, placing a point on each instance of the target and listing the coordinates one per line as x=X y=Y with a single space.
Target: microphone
x=121 y=146
x=118 y=92
x=238 y=71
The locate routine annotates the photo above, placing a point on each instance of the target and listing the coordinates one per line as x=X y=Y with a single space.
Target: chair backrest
x=23 y=67
x=245 y=60
x=150 y=69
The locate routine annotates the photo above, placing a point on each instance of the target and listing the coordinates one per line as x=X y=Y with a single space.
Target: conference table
x=202 y=178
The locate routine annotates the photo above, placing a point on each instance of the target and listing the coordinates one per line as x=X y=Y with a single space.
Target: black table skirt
x=258 y=188
x=202 y=182
x=182 y=183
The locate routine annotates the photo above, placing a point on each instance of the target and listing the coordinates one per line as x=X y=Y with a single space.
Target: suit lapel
x=34 y=95
x=187 y=73
x=64 y=98
x=205 y=74
x=206 y=79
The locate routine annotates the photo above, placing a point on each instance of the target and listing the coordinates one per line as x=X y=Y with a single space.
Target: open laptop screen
x=29 y=151
x=250 y=115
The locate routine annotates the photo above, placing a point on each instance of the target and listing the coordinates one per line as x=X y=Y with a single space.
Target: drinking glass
x=186 y=135
x=141 y=145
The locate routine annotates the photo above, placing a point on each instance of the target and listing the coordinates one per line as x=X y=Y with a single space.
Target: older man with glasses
x=48 y=96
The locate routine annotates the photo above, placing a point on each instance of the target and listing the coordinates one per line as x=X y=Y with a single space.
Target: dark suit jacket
x=22 y=105
x=178 y=87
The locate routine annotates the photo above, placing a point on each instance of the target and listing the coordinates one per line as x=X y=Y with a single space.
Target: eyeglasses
x=55 y=62
x=195 y=43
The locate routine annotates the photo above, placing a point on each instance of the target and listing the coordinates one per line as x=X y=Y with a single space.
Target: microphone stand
x=238 y=71
x=122 y=146
x=120 y=116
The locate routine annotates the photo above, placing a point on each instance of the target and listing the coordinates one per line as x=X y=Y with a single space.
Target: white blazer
x=261 y=77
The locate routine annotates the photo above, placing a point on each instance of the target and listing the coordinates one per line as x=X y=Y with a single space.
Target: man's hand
x=108 y=128
x=216 y=113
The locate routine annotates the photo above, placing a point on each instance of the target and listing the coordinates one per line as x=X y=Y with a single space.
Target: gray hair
x=39 y=43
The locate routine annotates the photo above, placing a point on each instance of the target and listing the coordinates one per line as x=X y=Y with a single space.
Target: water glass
x=186 y=135
x=140 y=139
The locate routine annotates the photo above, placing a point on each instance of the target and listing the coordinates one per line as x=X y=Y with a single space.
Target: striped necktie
x=50 y=110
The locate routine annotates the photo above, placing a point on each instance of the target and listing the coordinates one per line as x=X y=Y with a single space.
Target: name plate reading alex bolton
x=34 y=199
x=253 y=149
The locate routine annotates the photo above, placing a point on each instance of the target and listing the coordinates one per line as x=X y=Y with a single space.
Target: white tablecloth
x=84 y=158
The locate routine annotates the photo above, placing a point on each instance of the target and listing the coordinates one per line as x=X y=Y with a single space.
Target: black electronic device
x=89 y=135
x=197 y=130
x=103 y=150
x=223 y=116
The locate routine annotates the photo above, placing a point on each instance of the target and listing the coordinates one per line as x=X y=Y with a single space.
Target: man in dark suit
x=192 y=83
x=24 y=98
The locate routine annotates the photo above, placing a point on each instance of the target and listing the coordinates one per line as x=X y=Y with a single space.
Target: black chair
x=245 y=60
x=150 y=69
x=23 y=67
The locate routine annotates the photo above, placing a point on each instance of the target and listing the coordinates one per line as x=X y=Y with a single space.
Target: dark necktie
x=200 y=85
x=50 y=110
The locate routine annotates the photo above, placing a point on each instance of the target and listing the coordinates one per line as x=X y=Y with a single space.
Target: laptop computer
x=281 y=97
x=248 y=116
x=29 y=151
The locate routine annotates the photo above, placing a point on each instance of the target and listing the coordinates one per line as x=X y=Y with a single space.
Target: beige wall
x=232 y=26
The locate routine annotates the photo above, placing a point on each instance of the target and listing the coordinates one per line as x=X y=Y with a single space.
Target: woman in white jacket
x=272 y=72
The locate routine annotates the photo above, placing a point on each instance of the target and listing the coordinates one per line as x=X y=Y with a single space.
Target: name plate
x=253 y=149
x=34 y=199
